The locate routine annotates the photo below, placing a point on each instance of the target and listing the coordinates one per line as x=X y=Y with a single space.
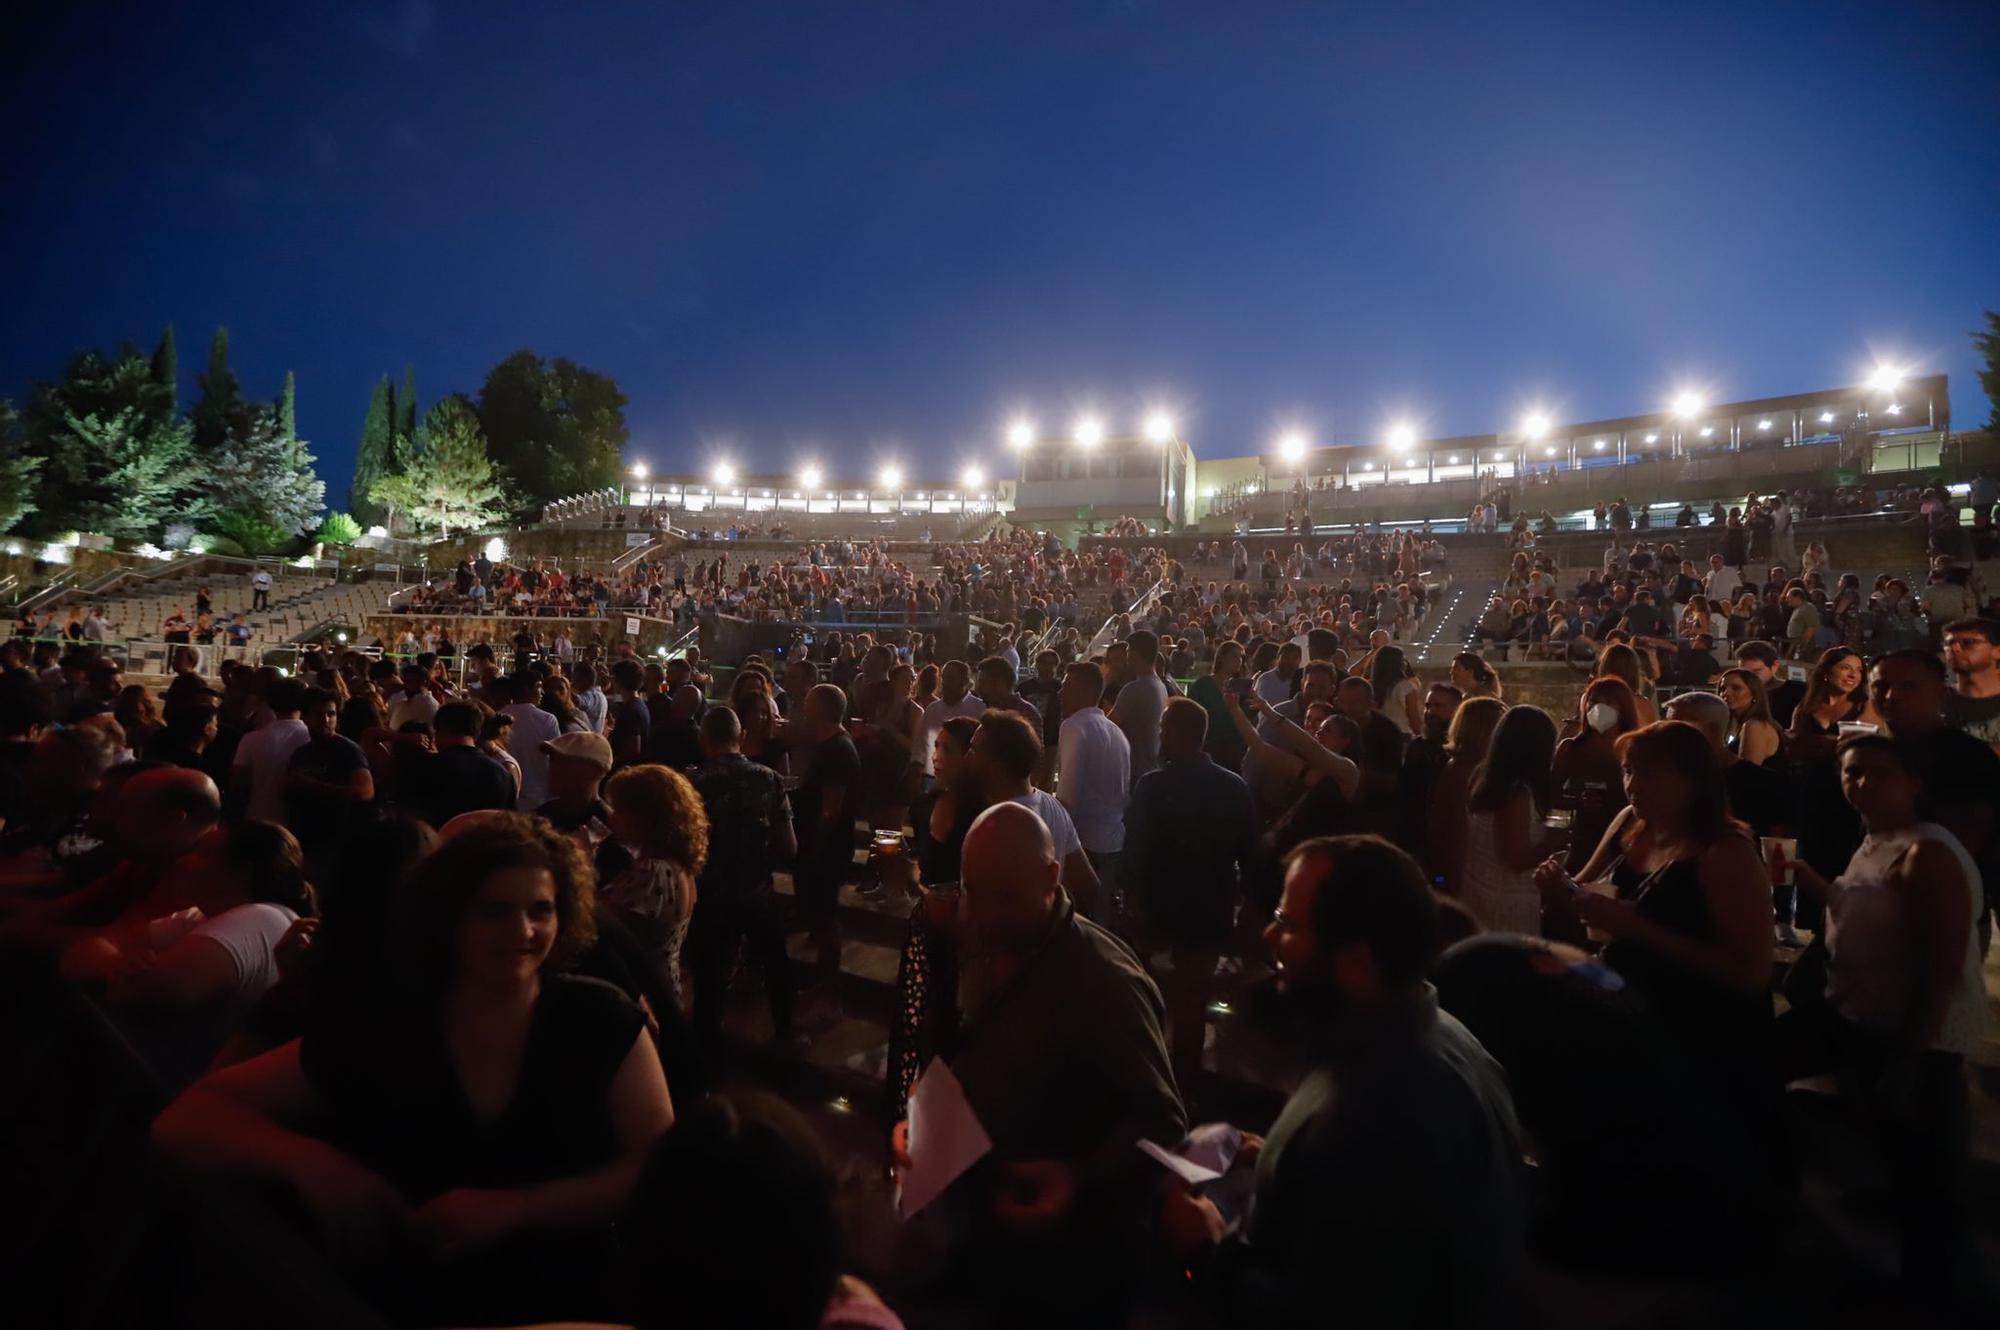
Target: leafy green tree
x=556 y=427
x=375 y=457
x=167 y=369
x=449 y=481
x=219 y=410
x=263 y=472
x=337 y=529
x=116 y=460
x=17 y=469
x=252 y=531
x=1987 y=343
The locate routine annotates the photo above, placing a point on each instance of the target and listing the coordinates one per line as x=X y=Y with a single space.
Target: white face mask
x=1601 y=717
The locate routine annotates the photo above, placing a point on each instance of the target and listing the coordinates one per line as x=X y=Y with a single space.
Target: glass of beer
x=887 y=856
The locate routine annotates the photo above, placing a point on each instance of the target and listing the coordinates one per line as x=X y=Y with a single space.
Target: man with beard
x=1389 y=1192
x=1423 y=763
x=1062 y=1058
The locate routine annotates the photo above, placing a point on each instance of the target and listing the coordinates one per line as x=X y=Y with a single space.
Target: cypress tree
x=288 y=409
x=373 y=458
x=220 y=410
x=406 y=406
x=167 y=370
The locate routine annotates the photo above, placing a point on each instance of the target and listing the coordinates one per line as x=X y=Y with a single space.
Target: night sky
x=870 y=231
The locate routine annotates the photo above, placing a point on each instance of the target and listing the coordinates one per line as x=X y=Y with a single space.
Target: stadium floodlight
x=1159 y=427
x=1292 y=447
x=638 y=470
x=1089 y=432
x=972 y=477
x=1688 y=405
x=1401 y=437
x=1763 y=424
x=891 y=478
x=1535 y=425
x=1885 y=378
x=1021 y=434
x=724 y=474
x=809 y=476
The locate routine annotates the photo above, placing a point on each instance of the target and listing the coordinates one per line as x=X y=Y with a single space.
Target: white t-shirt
x=250 y=934
x=1273 y=686
x=532 y=728
x=940 y=711
x=422 y=707
x=1095 y=762
x=264 y=754
x=1049 y=808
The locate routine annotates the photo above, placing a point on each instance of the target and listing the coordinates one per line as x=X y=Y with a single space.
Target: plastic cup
x=1780 y=852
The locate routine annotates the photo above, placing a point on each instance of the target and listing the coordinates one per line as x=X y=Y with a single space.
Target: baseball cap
x=582 y=745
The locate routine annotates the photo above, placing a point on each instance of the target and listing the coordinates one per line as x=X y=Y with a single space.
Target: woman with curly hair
x=656 y=813
x=489 y=1117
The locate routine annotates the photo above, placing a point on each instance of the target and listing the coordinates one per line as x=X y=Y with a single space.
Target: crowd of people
x=448 y=964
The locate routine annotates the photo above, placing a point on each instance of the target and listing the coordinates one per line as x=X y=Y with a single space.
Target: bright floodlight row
x=1088 y=432
x=810 y=477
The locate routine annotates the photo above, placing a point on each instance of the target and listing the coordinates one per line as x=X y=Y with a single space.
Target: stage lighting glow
x=1089 y=432
x=1292 y=447
x=1826 y=417
x=1885 y=378
x=1453 y=460
x=1652 y=438
x=1599 y=445
x=891 y=478
x=1159 y=427
x=1707 y=430
x=1402 y=437
x=809 y=477
x=1763 y=424
x=638 y=470
x=1687 y=405
x=724 y=474
x=1548 y=452
x=1021 y=434
x=972 y=477
x=1535 y=425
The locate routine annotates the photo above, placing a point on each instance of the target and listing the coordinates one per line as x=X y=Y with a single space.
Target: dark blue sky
x=870 y=230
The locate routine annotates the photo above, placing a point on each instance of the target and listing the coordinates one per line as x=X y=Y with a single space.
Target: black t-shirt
x=625 y=717
x=1961 y=779
x=462 y=779
x=1785 y=698
x=1760 y=796
x=396 y=1106
x=314 y=817
x=832 y=763
x=1644 y=619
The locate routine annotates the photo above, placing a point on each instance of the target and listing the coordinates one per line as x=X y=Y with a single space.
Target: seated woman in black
x=1683 y=896
x=471 y=1136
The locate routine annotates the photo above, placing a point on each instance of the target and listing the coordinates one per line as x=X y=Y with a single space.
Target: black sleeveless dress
x=1724 y=1033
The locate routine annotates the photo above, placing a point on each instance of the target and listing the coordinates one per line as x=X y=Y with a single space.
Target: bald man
x=1063 y=1058
x=169 y=823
